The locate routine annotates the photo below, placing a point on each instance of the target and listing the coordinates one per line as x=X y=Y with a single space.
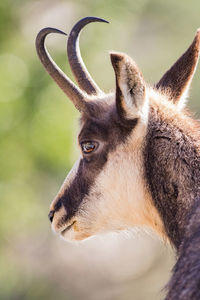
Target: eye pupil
x=88 y=147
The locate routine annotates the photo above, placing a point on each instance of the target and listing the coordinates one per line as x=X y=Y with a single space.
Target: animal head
x=109 y=187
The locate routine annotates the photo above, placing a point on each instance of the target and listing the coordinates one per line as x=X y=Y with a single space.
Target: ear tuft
x=176 y=81
x=116 y=57
x=198 y=36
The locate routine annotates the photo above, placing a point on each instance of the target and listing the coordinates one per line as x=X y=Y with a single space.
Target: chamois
x=140 y=157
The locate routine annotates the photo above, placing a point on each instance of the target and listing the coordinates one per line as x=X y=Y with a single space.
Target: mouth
x=67 y=228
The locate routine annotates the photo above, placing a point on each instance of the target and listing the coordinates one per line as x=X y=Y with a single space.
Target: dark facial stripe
x=76 y=192
x=58 y=205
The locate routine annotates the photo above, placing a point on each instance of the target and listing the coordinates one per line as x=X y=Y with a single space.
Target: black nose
x=50 y=215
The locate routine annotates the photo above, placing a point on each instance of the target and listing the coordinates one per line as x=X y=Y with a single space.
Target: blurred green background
x=38 y=128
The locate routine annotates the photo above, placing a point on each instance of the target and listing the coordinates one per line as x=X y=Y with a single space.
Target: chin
x=72 y=235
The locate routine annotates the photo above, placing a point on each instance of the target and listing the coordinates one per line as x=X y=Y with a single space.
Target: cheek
x=120 y=199
x=117 y=199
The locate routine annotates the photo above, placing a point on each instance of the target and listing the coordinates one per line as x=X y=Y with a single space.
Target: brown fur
x=145 y=169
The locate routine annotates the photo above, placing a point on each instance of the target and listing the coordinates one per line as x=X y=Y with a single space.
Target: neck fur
x=172 y=166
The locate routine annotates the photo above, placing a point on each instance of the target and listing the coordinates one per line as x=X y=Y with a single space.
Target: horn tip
x=105 y=21
x=96 y=19
x=47 y=30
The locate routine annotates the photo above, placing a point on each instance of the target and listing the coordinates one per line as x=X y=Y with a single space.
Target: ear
x=176 y=81
x=130 y=87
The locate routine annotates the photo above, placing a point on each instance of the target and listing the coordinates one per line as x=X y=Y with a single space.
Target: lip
x=67 y=228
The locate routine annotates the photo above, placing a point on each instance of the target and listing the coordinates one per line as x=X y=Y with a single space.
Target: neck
x=173 y=172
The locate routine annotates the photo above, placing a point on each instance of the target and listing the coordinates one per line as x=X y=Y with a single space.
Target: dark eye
x=88 y=147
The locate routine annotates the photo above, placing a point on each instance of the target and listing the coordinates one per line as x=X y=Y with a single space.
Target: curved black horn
x=78 y=67
x=68 y=87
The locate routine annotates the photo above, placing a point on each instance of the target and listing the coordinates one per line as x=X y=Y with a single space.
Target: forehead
x=94 y=128
x=104 y=124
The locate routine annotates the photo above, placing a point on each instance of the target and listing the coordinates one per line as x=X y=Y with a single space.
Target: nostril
x=50 y=215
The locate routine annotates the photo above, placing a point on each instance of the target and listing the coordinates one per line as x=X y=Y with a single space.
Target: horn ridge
x=78 y=67
x=68 y=87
